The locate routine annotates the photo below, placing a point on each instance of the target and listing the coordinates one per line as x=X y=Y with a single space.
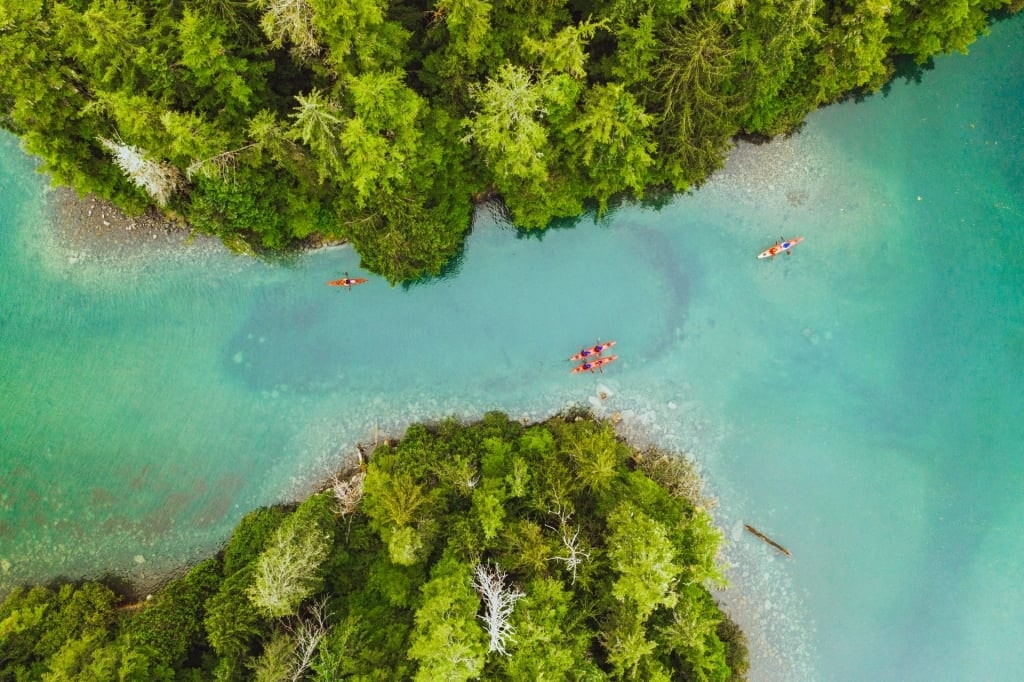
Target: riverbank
x=386 y=557
x=90 y=228
x=756 y=595
x=92 y=225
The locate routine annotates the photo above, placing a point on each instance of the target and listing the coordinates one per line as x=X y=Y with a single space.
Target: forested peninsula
x=271 y=123
x=493 y=550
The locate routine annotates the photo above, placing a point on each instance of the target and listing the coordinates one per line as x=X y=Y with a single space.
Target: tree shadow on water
x=450 y=270
x=556 y=224
x=907 y=70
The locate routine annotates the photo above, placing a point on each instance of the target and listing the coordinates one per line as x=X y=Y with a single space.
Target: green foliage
x=628 y=647
x=88 y=660
x=242 y=205
x=644 y=560
x=170 y=626
x=737 y=655
x=931 y=27
x=692 y=633
x=78 y=611
x=22 y=623
x=275 y=662
x=604 y=545
x=290 y=568
x=446 y=642
x=855 y=50
x=694 y=94
x=379 y=122
x=233 y=624
x=250 y=537
x=605 y=572
x=774 y=36
x=611 y=142
x=551 y=642
x=508 y=126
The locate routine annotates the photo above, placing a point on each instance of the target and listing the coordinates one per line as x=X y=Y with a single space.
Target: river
x=859 y=401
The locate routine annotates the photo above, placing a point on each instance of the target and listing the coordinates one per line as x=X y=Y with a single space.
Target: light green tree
x=221 y=77
x=506 y=126
x=566 y=51
x=468 y=23
x=612 y=142
x=318 y=122
x=626 y=643
x=290 y=569
x=290 y=22
x=446 y=641
x=774 y=37
x=596 y=454
x=692 y=634
x=854 y=50
x=644 y=561
x=694 y=94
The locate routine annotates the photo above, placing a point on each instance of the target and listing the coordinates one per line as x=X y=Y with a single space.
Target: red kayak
x=595 y=364
x=780 y=247
x=347 y=281
x=593 y=350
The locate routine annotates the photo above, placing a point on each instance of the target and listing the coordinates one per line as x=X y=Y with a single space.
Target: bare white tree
x=307 y=631
x=347 y=492
x=160 y=180
x=499 y=601
x=220 y=166
x=287 y=572
x=574 y=553
x=290 y=21
x=562 y=510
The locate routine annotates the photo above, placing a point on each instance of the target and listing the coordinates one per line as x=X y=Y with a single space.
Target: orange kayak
x=347 y=282
x=780 y=247
x=593 y=350
x=595 y=364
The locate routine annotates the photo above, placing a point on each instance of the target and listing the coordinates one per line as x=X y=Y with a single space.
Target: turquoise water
x=859 y=401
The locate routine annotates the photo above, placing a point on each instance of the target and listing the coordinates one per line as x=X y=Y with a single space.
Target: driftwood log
x=767 y=539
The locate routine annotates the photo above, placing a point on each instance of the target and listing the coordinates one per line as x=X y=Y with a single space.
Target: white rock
x=737 y=531
x=139 y=559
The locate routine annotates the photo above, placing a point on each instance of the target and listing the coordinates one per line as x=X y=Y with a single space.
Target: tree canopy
x=493 y=550
x=272 y=122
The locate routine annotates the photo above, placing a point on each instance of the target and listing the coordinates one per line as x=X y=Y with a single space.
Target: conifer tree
x=160 y=179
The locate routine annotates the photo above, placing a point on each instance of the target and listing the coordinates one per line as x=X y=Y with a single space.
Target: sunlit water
x=860 y=401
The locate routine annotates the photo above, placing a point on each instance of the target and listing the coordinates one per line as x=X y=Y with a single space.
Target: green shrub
x=250 y=537
x=290 y=568
x=233 y=625
x=23 y=616
x=78 y=610
x=171 y=625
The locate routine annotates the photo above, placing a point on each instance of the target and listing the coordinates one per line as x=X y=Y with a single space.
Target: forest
x=493 y=550
x=274 y=124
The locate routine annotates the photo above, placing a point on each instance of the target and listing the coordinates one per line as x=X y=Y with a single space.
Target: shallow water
x=858 y=401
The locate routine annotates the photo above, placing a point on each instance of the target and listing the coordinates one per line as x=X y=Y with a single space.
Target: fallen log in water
x=767 y=539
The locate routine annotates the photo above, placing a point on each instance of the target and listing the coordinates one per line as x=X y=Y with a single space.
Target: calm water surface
x=859 y=401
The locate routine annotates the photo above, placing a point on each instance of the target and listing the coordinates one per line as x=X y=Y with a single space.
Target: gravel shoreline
x=88 y=227
x=87 y=221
